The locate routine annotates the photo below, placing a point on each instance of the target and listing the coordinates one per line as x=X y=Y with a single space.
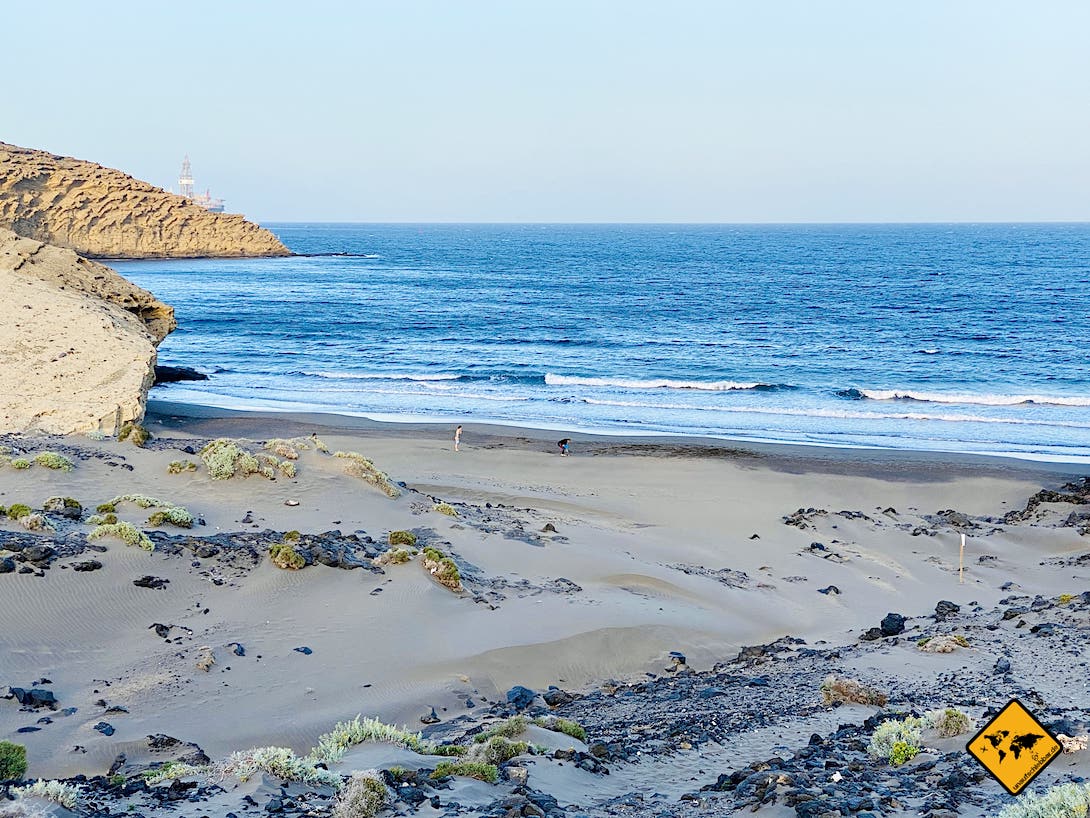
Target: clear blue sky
x=457 y=110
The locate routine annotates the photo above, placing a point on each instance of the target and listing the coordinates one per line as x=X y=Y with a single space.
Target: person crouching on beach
x=564 y=446
x=457 y=438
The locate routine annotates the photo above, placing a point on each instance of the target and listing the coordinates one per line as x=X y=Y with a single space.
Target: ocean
x=948 y=337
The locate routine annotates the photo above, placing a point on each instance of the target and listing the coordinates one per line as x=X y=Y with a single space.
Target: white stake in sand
x=961 y=561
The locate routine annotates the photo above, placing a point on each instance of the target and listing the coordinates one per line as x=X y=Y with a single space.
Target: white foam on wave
x=625 y=383
x=982 y=400
x=382 y=376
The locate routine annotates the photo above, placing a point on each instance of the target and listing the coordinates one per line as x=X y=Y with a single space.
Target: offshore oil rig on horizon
x=185 y=185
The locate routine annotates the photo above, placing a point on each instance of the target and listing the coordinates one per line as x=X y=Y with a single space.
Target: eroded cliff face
x=104 y=213
x=77 y=341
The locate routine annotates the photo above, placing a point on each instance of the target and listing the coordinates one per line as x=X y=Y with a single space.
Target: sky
x=587 y=111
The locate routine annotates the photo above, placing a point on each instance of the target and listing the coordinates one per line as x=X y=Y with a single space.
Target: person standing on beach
x=565 y=446
x=457 y=438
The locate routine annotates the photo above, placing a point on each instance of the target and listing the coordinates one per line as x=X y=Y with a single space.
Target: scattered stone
x=161 y=630
x=893 y=624
x=292 y=503
x=832 y=589
x=303 y=650
x=237 y=648
x=35 y=697
x=946 y=609
x=105 y=728
x=430 y=718
x=87 y=565
x=148 y=581
x=521 y=697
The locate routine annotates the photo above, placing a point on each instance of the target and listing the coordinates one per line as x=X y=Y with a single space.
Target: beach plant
x=497 y=750
x=174 y=515
x=225 y=459
x=126 y=532
x=140 y=500
x=943 y=643
x=55 y=461
x=18 y=510
x=948 y=721
x=1063 y=599
x=395 y=556
x=12 y=761
x=136 y=434
x=102 y=519
x=105 y=508
x=364 y=796
x=402 y=538
x=1061 y=801
x=287 y=468
x=67 y=506
x=332 y=746
x=480 y=770
x=361 y=467
x=443 y=569
x=445 y=508
x=508 y=728
x=179 y=466
x=318 y=444
x=279 y=762
x=35 y=522
x=292 y=536
x=842 y=690
x=288 y=449
x=20 y=463
x=172 y=771
x=896 y=740
x=67 y=795
x=560 y=725
x=284 y=555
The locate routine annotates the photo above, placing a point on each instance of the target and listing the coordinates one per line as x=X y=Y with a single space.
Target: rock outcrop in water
x=77 y=341
x=104 y=213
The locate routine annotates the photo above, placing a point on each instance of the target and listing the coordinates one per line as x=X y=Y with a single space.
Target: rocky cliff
x=104 y=213
x=77 y=341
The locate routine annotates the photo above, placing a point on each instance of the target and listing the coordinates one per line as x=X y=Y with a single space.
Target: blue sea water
x=969 y=338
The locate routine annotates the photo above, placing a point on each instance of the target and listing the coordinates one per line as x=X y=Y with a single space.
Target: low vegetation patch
x=470 y=769
x=67 y=506
x=445 y=508
x=509 y=728
x=12 y=761
x=287 y=449
x=402 y=538
x=55 y=461
x=280 y=762
x=20 y=463
x=443 y=569
x=497 y=750
x=136 y=434
x=1061 y=801
x=126 y=532
x=284 y=555
x=841 y=690
x=943 y=643
x=67 y=795
x=333 y=745
x=179 y=466
x=897 y=741
x=395 y=556
x=172 y=771
x=18 y=510
x=225 y=459
x=172 y=515
x=364 y=796
x=565 y=726
x=948 y=722
x=35 y=522
x=102 y=519
x=361 y=467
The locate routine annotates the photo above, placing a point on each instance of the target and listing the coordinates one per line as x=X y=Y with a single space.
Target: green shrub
x=52 y=460
x=895 y=740
x=17 y=510
x=943 y=643
x=12 y=761
x=402 y=538
x=470 y=769
x=179 y=466
x=1061 y=801
x=134 y=433
x=280 y=762
x=565 y=726
x=442 y=568
x=445 y=508
x=287 y=468
x=840 y=690
x=333 y=745
x=364 y=796
x=509 y=728
x=283 y=555
x=292 y=536
x=67 y=506
x=361 y=467
x=140 y=500
x=225 y=459
x=67 y=795
x=1063 y=599
x=20 y=463
x=102 y=519
x=126 y=532
x=174 y=515
x=288 y=449
x=172 y=771
x=949 y=722
x=105 y=508
x=395 y=556
x=498 y=750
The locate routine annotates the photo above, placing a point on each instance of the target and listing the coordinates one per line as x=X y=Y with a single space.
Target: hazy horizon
x=611 y=112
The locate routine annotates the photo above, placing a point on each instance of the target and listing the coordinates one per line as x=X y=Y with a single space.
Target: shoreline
x=789 y=456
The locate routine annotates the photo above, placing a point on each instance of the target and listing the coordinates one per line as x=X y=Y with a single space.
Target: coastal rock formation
x=104 y=213
x=77 y=342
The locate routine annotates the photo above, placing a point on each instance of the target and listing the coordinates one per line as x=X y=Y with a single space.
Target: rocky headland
x=103 y=213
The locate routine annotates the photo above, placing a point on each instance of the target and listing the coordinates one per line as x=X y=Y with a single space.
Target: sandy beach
x=583 y=573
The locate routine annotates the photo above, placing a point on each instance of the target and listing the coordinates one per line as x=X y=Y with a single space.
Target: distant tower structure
x=185 y=179
x=185 y=185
